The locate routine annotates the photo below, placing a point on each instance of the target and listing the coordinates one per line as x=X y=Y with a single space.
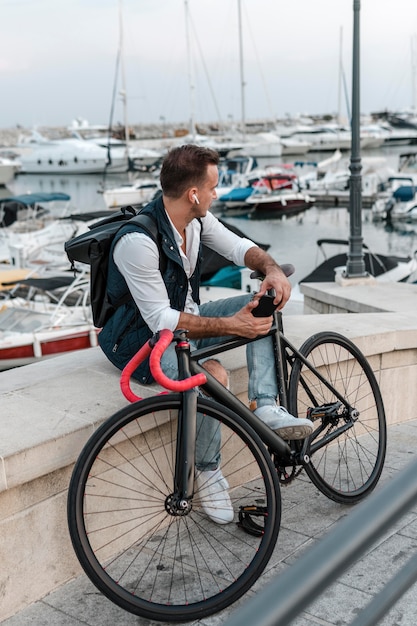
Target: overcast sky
x=58 y=59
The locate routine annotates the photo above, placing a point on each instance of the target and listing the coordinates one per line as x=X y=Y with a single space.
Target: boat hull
x=38 y=347
x=130 y=194
x=280 y=204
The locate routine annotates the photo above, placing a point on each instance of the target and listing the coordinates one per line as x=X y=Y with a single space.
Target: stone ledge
x=49 y=409
x=371 y=297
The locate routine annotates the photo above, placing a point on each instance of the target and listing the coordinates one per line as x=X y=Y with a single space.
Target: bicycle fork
x=180 y=501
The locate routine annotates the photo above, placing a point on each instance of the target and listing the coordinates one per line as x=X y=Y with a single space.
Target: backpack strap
x=147 y=224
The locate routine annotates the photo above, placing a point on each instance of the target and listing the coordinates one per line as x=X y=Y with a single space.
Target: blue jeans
x=262 y=377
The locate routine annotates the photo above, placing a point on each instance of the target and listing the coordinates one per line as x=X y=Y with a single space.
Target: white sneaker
x=284 y=424
x=211 y=489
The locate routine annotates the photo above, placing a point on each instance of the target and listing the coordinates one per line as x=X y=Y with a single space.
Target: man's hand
x=275 y=279
x=258 y=259
x=241 y=324
x=245 y=324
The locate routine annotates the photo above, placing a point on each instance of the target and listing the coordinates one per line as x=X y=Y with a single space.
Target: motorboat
x=234 y=199
x=235 y=175
x=39 y=155
x=30 y=205
x=331 y=184
x=280 y=202
x=402 y=211
x=53 y=317
x=36 y=238
x=31 y=230
x=139 y=158
x=260 y=145
x=278 y=193
x=140 y=191
x=293 y=146
x=8 y=170
x=384 y=268
x=323 y=138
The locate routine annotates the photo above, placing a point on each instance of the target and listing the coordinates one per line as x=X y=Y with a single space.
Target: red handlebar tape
x=165 y=338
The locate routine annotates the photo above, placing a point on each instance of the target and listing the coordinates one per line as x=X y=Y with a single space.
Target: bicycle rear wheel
x=348 y=444
x=139 y=554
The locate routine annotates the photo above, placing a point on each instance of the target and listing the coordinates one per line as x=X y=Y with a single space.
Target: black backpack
x=93 y=248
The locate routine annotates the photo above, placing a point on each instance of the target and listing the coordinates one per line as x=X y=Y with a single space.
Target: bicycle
x=134 y=512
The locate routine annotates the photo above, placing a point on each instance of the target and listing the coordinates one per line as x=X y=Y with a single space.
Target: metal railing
x=288 y=594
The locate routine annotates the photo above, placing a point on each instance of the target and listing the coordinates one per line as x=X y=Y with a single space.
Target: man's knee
x=216 y=369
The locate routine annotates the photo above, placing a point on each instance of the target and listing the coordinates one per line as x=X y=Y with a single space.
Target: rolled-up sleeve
x=137 y=259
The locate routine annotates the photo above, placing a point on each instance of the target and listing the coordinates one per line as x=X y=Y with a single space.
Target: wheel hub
x=176 y=506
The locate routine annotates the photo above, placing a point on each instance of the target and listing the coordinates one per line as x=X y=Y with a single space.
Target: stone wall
x=49 y=410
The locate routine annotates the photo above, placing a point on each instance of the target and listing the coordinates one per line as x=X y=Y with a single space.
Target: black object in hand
x=265 y=306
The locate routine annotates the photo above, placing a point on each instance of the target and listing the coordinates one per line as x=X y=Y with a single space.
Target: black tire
x=153 y=564
x=346 y=455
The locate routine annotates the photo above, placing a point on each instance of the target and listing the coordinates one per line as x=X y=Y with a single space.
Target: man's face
x=206 y=193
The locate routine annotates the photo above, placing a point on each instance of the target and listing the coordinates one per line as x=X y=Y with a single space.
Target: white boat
x=37 y=238
x=277 y=193
x=8 y=170
x=53 y=318
x=263 y=180
x=140 y=191
x=234 y=173
x=31 y=205
x=402 y=211
x=335 y=176
x=39 y=155
x=260 y=145
x=139 y=157
x=330 y=137
x=398 y=136
x=294 y=146
x=323 y=138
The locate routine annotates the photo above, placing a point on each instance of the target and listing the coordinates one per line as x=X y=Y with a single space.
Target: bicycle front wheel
x=348 y=444
x=135 y=549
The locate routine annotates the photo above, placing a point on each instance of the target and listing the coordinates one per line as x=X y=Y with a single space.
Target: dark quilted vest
x=126 y=331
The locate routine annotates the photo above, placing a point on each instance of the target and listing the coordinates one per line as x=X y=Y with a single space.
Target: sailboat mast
x=414 y=74
x=190 y=70
x=242 y=77
x=123 y=93
x=339 y=94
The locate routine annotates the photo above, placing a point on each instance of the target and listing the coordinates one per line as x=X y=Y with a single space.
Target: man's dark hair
x=184 y=167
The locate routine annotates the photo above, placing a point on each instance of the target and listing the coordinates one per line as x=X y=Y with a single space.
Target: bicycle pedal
x=326 y=410
x=246 y=513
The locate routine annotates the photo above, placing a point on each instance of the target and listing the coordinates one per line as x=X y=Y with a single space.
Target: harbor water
x=292 y=238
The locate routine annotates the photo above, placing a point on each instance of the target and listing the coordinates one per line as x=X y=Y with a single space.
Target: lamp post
x=355 y=267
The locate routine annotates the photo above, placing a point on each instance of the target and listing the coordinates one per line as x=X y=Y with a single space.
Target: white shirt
x=137 y=258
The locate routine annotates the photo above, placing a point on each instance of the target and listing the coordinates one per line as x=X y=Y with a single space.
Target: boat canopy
x=35 y=198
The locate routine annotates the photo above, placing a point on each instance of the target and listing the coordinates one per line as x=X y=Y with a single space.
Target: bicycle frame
x=285 y=353
x=186 y=429
x=284 y=454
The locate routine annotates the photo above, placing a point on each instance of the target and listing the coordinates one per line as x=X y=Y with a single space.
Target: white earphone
x=196 y=200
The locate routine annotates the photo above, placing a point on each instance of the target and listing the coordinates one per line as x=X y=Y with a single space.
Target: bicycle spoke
x=132 y=544
x=349 y=440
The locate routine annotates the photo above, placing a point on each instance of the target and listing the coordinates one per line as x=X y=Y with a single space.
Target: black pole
x=355 y=263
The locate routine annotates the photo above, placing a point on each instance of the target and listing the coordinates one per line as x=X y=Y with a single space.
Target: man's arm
x=241 y=324
x=258 y=259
